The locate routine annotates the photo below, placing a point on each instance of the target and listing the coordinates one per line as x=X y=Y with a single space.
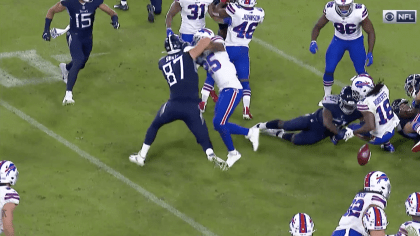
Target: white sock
x=209 y=151
x=246 y=101
x=263 y=125
x=69 y=93
x=123 y=3
x=327 y=90
x=205 y=95
x=233 y=152
x=144 y=150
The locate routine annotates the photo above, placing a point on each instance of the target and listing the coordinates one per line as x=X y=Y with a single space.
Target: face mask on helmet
x=377 y=181
x=397 y=103
x=346 y=101
x=361 y=86
x=344 y=7
x=412 y=84
x=173 y=44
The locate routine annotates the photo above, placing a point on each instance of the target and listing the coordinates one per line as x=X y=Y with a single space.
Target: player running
x=192 y=17
x=179 y=70
x=9 y=197
x=367 y=208
x=301 y=225
x=339 y=110
x=347 y=17
x=412 y=208
x=243 y=18
x=379 y=119
x=224 y=73
x=79 y=37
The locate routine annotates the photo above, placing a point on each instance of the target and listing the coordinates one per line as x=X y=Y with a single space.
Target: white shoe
x=68 y=98
x=64 y=72
x=232 y=158
x=219 y=162
x=136 y=158
x=254 y=136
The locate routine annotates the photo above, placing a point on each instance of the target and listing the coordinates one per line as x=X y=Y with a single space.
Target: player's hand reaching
x=369 y=59
x=313 y=47
x=114 y=22
x=345 y=134
x=46 y=35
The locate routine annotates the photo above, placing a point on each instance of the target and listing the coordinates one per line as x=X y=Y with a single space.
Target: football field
x=74 y=174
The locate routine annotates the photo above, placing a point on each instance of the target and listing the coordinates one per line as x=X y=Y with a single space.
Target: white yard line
x=109 y=170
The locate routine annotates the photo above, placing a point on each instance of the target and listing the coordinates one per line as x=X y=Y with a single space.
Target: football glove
x=369 y=59
x=46 y=35
x=334 y=140
x=313 y=47
x=345 y=134
x=169 y=32
x=114 y=22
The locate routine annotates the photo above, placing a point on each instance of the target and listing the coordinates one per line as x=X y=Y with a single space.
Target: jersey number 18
x=388 y=112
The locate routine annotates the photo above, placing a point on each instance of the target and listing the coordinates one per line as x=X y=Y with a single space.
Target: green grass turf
x=117 y=96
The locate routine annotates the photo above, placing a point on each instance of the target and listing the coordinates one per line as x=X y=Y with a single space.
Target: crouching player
x=412 y=207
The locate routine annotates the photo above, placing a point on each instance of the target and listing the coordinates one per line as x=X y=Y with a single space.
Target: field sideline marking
x=108 y=169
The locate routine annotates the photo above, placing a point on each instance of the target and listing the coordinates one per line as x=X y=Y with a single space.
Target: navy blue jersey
x=340 y=119
x=82 y=16
x=181 y=75
x=400 y=127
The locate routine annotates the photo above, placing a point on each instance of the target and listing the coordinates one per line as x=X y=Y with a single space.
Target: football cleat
x=64 y=72
x=121 y=7
x=202 y=106
x=388 y=147
x=136 y=158
x=254 y=136
x=214 y=96
x=233 y=157
x=151 y=12
x=246 y=114
x=219 y=162
x=68 y=98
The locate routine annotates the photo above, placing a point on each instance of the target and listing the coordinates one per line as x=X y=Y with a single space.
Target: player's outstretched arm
x=369 y=125
x=58 y=7
x=199 y=48
x=7 y=218
x=328 y=121
x=112 y=13
x=213 y=15
x=173 y=10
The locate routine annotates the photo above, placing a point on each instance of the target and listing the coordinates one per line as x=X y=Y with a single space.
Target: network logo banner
x=400 y=16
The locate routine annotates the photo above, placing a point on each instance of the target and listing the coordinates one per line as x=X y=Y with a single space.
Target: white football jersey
x=411 y=227
x=353 y=218
x=7 y=194
x=244 y=23
x=221 y=68
x=379 y=105
x=193 y=15
x=346 y=28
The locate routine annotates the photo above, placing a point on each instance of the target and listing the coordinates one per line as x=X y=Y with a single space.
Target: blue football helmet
x=346 y=101
x=173 y=44
x=396 y=104
x=412 y=85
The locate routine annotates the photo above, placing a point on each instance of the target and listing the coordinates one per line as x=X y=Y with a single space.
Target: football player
x=79 y=37
x=379 y=118
x=339 y=110
x=347 y=17
x=301 y=225
x=192 y=17
x=9 y=197
x=412 y=87
x=243 y=18
x=409 y=119
x=224 y=73
x=412 y=208
x=179 y=70
x=222 y=26
x=371 y=200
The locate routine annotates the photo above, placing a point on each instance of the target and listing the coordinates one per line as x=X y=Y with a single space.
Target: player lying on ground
x=409 y=126
x=9 y=197
x=301 y=225
x=179 y=70
x=347 y=17
x=366 y=213
x=339 y=110
x=79 y=36
x=379 y=119
x=224 y=74
x=412 y=208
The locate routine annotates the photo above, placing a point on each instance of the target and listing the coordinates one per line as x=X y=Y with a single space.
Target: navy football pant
x=186 y=111
x=335 y=53
x=158 y=6
x=311 y=131
x=80 y=49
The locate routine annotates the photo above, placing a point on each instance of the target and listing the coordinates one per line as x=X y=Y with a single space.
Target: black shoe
x=121 y=7
x=151 y=11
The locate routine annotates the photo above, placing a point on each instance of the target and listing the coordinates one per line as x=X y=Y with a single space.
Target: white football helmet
x=378 y=181
x=302 y=225
x=375 y=219
x=8 y=173
x=361 y=85
x=204 y=32
x=344 y=11
x=248 y=3
x=412 y=204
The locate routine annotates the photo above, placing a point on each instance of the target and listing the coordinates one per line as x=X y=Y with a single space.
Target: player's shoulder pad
x=330 y=99
x=328 y=6
x=99 y=2
x=375 y=219
x=360 y=10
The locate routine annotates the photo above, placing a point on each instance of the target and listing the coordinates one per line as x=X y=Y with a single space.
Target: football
x=363 y=156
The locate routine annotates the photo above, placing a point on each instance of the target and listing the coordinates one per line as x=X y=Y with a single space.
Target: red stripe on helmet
x=302 y=228
x=367 y=179
x=418 y=202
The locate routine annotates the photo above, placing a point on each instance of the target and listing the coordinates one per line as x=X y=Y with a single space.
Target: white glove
x=349 y=134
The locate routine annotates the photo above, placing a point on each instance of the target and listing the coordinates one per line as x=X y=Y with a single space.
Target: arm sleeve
x=12 y=197
x=364 y=12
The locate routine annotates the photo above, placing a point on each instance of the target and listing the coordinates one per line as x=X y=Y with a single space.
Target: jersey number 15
x=83 y=20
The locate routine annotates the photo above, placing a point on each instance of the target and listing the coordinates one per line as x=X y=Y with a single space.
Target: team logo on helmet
x=382 y=177
x=360 y=84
